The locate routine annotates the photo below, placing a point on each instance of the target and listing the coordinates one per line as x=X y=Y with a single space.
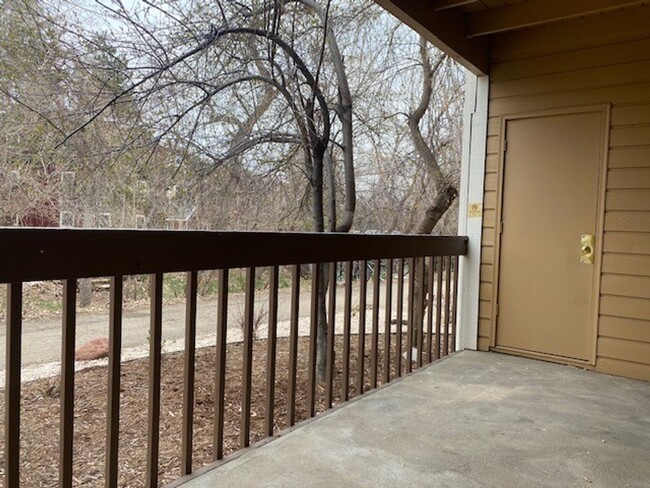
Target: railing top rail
x=31 y=254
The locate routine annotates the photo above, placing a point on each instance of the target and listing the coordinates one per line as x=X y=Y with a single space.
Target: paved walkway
x=42 y=337
x=473 y=420
x=41 y=351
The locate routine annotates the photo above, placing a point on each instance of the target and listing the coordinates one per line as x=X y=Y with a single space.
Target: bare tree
x=181 y=86
x=195 y=112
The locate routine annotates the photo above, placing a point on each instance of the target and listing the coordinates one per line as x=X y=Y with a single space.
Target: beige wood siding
x=591 y=61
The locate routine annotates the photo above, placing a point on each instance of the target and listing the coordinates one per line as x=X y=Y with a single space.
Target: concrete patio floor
x=472 y=420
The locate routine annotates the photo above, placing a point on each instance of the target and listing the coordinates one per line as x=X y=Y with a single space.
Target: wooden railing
x=399 y=267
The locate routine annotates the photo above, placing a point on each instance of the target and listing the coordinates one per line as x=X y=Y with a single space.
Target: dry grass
x=40 y=412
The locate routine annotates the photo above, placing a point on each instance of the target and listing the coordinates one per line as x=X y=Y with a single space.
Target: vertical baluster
x=409 y=323
x=400 y=317
x=293 y=344
x=347 y=322
x=454 y=304
x=445 y=341
x=438 y=305
x=374 y=343
x=362 y=325
x=271 y=350
x=114 y=369
x=247 y=366
x=387 y=324
x=331 y=329
x=220 y=374
x=155 y=356
x=12 y=384
x=421 y=311
x=313 y=333
x=67 y=383
x=430 y=307
x=191 y=290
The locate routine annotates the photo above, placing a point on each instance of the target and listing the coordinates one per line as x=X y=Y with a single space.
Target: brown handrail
x=56 y=254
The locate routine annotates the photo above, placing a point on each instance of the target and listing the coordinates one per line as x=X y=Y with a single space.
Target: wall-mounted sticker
x=474 y=210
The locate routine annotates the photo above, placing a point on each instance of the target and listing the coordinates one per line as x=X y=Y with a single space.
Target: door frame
x=605 y=111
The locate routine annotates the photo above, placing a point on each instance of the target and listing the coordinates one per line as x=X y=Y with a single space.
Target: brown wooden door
x=546 y=296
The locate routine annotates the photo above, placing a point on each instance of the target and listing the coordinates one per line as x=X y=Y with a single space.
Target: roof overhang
x=445 y=29
x=464 y=28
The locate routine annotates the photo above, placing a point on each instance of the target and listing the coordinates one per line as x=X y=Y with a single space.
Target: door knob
x=587 y=242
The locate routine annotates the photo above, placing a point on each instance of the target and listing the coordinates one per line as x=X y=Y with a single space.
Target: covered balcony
x=552 y=266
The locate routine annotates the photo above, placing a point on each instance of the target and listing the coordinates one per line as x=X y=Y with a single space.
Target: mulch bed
x=40 y=412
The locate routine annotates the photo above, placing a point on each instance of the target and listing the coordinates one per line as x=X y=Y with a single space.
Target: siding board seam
x=608 y=336
x=575 y=89
x=568 y=53
x=588 y=78
x=570 y=92
x=570 y=70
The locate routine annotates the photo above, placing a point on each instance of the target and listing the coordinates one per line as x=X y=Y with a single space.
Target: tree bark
x=434 y=213
x=321 y=333
x=85 y=292
x=85 y=284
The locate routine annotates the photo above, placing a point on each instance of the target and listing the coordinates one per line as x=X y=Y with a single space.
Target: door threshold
x=581 y=363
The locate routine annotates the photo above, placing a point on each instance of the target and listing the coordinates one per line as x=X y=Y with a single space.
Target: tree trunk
x=85 y=284
x=318 y=222
x=85 y=292
x=446 y=192
x=435 y=212
x=432 y=216
x=321 y=335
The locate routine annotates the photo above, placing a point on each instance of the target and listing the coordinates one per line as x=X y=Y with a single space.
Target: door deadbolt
x=587 y=244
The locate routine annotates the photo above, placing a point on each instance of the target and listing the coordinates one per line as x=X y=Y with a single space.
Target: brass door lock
x=587 y=244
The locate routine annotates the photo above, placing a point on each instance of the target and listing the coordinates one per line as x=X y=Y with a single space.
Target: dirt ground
x=40 y=412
